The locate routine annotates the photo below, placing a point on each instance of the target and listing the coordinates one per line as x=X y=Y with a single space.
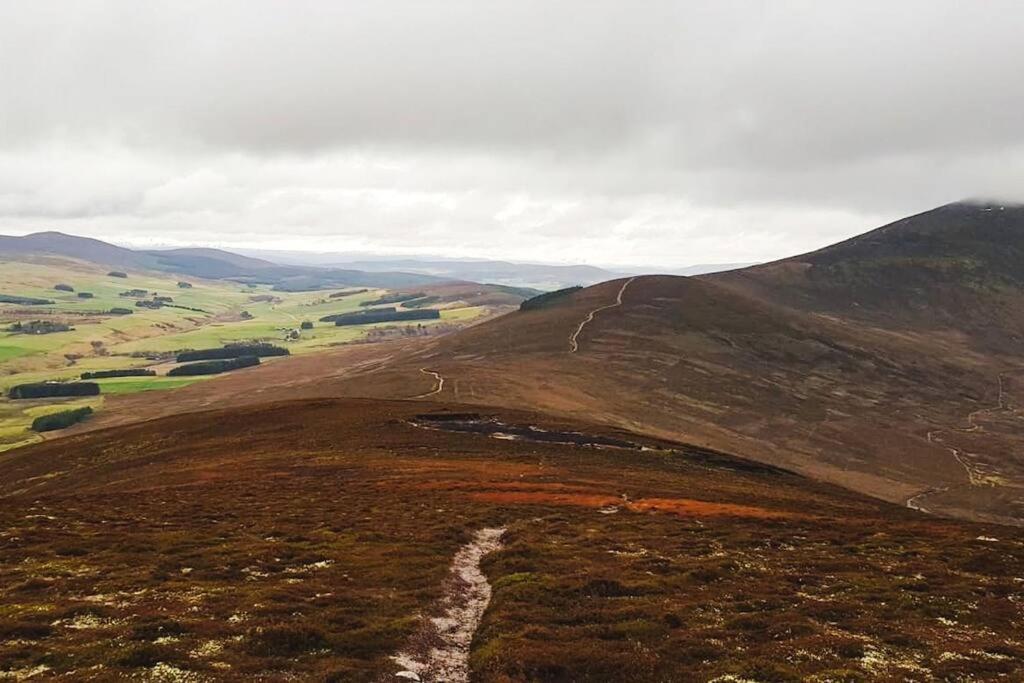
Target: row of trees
x=52 y=389
x=394 y=298
x=128 y=372
x=347 y=292
x=547 y=298
x=39 y=327
x=233 y=351
x=213 y=367
x=382 y=316
x=60 y=420
x=24 y=300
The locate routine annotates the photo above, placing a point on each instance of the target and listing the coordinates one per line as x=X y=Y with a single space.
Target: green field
x=130 y=385
x=230 y=312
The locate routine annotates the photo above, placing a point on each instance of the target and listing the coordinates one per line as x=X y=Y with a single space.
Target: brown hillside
x=309 y=541
x=888 y=363
x=880 y=385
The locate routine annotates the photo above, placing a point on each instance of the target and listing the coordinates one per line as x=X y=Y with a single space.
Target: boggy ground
x=309 y=539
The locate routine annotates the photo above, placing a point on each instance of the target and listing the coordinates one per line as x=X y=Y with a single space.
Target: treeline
x=164 y=302
x=186 y=308
x=547 y=298
x=422 y=302
x=117 y=273
x=65 y=418
x=347 y=292
x=24 y=300
x=120 y=311
x=129 y=372
x=39 y=327
x=213 y=367
x=233 y=351
x=383 y=316
x=394 y=298
x=341 y=316
x=52 y=389
x=61 y=287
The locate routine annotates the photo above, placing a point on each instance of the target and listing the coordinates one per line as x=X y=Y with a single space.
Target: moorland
x=800 y=471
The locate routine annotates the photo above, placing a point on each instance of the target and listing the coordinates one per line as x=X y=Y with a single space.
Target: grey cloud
x=575 y=126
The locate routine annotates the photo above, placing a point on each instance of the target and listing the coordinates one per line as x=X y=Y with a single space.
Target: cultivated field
x=208 y=313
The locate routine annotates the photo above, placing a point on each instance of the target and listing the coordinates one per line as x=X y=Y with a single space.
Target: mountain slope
x=896 y=392
x=889 y=363
x=84 y=248
x=959 y=266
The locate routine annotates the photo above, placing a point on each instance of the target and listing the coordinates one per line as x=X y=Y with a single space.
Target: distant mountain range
x=299 y=271
x=209 y=263
x=542 y=276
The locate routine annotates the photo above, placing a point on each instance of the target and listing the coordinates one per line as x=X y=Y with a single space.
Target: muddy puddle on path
x=474 y=423
x=440 y=650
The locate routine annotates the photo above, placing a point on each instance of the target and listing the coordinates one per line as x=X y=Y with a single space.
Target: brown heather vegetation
x=889 y=364
x=307 y=540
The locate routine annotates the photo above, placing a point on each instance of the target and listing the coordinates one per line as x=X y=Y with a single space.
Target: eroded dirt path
x=438 y=388
x=574 y=345
x=975 y=475
x=440 y=652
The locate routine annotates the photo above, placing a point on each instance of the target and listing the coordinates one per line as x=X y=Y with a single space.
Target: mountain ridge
x=892 y=386
x=205 y=262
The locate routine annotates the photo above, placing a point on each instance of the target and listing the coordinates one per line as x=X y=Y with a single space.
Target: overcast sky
x=660 y=133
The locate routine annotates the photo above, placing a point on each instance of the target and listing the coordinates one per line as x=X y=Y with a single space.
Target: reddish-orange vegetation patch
x=689 y=506
x=458 y=485
x=482 y=468
x=678 y=506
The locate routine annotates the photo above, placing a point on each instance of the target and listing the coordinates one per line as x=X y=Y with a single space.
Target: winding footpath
x=974 y=477
x=441 y=651
x=438 y=388
x=574 y=345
